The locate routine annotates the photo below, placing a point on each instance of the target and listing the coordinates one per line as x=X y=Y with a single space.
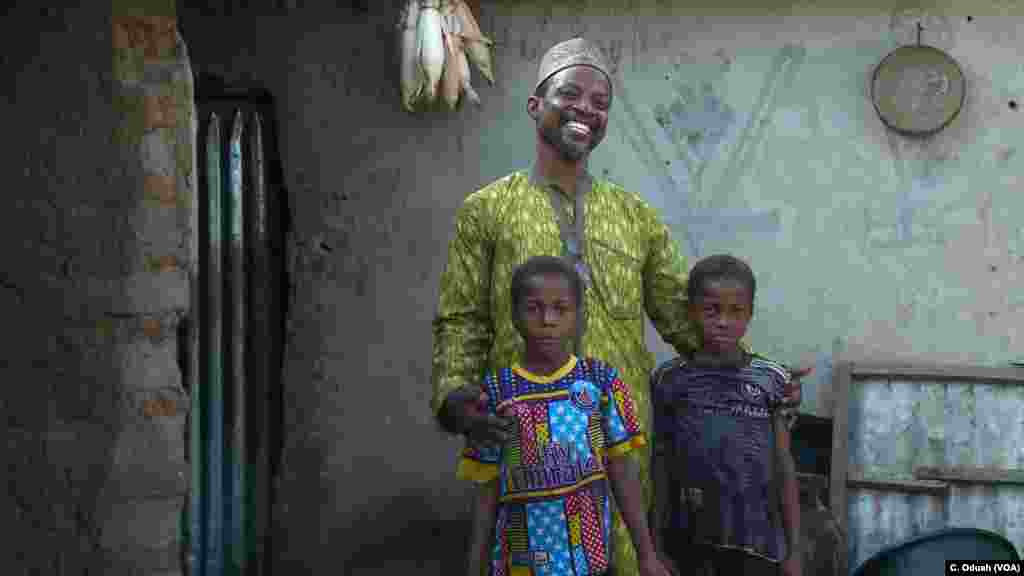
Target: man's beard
x=569 y=150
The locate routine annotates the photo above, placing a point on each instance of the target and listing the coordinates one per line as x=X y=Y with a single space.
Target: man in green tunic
x=627 y=257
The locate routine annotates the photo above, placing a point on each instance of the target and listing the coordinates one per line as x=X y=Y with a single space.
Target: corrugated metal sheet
x=898 y=426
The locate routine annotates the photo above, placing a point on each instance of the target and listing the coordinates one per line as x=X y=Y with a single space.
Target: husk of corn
x=478 y=46
x=467 y=87
x=451 y=81
x=437 y=41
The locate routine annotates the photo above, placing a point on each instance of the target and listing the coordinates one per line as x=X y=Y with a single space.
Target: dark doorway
x=236 y=332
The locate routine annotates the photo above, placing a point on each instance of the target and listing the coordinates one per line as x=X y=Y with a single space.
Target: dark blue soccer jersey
x=715 y=426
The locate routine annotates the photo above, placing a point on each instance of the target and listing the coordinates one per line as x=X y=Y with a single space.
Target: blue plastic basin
x=926 y=555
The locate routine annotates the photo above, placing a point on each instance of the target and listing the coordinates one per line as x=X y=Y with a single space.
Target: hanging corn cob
x=437 y=41
x=467 y=87
x=457 y=76
x=478 y=46
x=451 y=83
x=411 y=75
x=431 y=48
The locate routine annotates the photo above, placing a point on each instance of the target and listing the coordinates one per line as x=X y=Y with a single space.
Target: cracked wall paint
x=699 y=129
x=695 y=127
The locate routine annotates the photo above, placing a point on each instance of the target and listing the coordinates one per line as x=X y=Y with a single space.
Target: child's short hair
x=539 y=266
x=719 y=267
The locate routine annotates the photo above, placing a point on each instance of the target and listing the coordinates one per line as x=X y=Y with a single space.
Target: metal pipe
x=213 y=357
x=235 y=507
x=259 y=363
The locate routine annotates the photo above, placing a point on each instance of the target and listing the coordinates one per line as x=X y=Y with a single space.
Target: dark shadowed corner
x=407 y=535
x=304 y=493
x=298 y=533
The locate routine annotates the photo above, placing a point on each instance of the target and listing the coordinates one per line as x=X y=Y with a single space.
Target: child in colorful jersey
x=542 y=506
x=726 y=494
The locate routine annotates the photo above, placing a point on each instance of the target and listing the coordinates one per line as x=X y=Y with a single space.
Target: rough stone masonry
x=94 y=232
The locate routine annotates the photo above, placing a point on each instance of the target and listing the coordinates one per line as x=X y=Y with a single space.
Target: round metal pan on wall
x=918 y=90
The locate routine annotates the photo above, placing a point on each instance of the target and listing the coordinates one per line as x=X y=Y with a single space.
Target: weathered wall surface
x=865 y=245
x=92 y=233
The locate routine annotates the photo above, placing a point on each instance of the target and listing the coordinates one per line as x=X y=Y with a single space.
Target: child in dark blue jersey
x=726 y=494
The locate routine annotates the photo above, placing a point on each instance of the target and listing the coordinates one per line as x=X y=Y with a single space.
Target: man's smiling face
x=572 y=116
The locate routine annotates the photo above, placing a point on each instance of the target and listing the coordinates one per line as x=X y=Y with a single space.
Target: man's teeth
x=579 y=127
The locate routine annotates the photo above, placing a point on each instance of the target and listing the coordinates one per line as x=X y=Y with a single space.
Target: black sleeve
x=446 y=419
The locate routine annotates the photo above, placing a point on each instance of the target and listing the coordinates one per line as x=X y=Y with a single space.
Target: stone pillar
x=140 y=506
x=93 y=224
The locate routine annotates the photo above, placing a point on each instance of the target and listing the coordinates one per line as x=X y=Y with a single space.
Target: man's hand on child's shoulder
x=469 y=407
x=793 y=391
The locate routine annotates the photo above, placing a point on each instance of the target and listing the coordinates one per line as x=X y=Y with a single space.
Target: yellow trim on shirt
x=553 y=377
x=621 y=448
x=476 y=471
x=537 y=396
x=520 y=496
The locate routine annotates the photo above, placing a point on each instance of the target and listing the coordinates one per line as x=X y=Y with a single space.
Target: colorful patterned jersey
x=715 y=429
x=554 y=517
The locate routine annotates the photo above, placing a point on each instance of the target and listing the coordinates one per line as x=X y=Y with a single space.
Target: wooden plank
x=1003 y=375
x=816 y=481
x=892 y=484
x=971 y=475
x=840 y=454
x=813 y=486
